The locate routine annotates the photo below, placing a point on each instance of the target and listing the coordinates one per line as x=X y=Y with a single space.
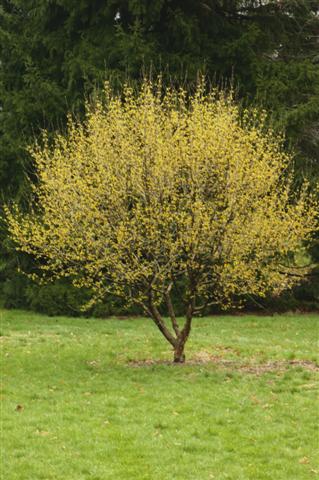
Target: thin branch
x=302 y=275
x=191 y=307
x=171 y=311
x=156 y=316
x=202 y=307
x=189 y=317
x=260 y=305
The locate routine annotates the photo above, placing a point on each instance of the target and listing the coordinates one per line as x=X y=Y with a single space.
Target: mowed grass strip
x=89 y=399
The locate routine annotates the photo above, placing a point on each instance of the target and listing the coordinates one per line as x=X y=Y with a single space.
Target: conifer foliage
x=55 y=54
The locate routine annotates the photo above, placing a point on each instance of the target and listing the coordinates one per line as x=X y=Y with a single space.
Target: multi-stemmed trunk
x=179 y=338
x=180 y=341
x=179 y=355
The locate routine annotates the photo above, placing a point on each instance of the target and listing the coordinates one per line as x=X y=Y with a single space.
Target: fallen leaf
x=304 y=460
x=93 y=363
x=255 y=400
x=42 y=433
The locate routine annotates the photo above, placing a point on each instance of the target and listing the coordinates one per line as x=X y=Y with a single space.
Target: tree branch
x=170 y=309
x=156 y=316
x=189 y=317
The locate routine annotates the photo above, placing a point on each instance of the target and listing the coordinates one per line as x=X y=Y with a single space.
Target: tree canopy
x=159 y=193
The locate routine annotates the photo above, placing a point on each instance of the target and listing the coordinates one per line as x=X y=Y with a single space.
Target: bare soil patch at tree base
x=252 y=368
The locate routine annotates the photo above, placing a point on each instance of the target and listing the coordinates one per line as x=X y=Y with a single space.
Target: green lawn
x=77 y=404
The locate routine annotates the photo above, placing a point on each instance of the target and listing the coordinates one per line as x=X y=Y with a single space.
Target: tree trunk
x=180 y=338
x=179 y=355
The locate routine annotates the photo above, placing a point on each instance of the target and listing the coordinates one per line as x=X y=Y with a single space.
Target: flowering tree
x=161 y=193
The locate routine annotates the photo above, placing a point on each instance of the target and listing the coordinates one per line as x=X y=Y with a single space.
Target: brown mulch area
x=257 y=369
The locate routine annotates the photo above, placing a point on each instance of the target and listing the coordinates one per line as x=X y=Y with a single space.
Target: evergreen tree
x=55 y=53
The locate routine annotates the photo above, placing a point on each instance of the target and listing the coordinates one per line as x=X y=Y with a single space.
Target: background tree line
x=54 y=54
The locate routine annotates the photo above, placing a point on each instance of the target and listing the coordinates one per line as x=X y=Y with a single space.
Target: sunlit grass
x=76 y=404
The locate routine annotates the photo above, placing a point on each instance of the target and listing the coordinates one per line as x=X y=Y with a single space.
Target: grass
x=75 y=406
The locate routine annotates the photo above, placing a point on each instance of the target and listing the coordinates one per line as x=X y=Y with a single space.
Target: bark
x=156 y=316
x=178 y=342
x=171 y=311
x=179 y=355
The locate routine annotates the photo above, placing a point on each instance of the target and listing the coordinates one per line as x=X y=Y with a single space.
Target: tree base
x=179 y=358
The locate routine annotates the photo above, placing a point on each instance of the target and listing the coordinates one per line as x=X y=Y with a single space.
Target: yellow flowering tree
x=163 y=194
